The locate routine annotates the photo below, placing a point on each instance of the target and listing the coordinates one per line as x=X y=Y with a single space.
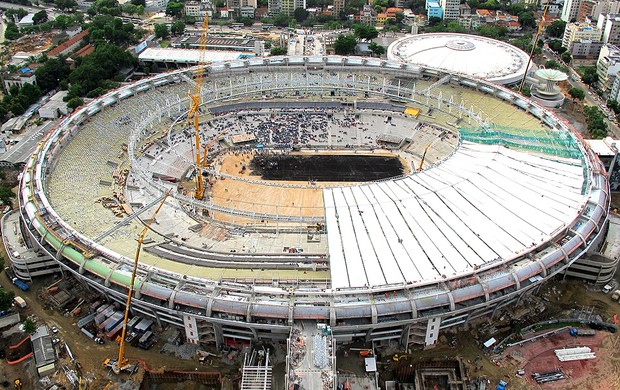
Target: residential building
x=338 y=7
x=485 y=16
x=614 y=94
x=608 y=66
x=155 y=5
x=368 y=15
x=555 y=9
x=580 y=31
x=19 y=78
x=592 y=9
x=192 y=8
x=238 y=5
x=585 y=49
x=247 y=12
x=285 y=6
x=610 y=26
x=67 y=47
x=570 y=10
x=451 y=9
x=464 y=10
x=434 y=10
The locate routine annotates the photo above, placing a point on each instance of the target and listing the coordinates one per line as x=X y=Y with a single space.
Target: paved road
x=32 y=8
x=591 y=98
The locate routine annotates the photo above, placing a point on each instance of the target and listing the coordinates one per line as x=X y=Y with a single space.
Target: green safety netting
x=547 y=141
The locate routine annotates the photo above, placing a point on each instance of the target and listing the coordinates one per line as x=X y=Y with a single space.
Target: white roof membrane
x=483 y=204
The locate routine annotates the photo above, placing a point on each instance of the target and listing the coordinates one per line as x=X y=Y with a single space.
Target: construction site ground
x=556 y=299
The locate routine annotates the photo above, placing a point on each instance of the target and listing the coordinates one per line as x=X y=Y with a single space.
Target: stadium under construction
x=497 y=195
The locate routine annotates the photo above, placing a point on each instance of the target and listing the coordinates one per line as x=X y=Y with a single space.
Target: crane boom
x=423 y=157
x=121 y=363
x=538 y=32
x=194 y=112
x=207 y=146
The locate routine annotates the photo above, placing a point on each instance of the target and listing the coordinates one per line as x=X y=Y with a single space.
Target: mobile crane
x=423 y=157
x=194 y=110
x=122 y=364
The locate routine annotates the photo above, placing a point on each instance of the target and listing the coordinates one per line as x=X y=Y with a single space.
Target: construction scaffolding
x=550 y=142
x=256 y=371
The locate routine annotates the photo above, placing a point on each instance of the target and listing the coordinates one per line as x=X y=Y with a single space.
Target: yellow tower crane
x=194 y=112
x=122 y=363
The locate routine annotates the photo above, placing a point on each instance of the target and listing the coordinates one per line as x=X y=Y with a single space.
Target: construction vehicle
x=582 y=332
x=194 y=110
x=423 y=157
x=205 y=161
x=122 y=364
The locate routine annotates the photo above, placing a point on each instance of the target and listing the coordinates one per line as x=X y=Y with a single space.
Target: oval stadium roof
x=472 y=55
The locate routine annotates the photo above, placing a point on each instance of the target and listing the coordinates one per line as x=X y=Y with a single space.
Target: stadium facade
x=518 y=200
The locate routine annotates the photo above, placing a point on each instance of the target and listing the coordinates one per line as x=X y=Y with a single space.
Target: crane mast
x=194 y=112
x=121 y=363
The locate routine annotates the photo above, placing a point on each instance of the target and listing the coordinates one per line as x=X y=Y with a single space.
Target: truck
x=20 y=284
x=582 y=332
x=15 y=280
x=19 y=301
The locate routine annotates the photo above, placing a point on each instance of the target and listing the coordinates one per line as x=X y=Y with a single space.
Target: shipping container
x=111 y=335
x=143 y=326
x=104 y=315
x=87 y=333
x=95 y=305
x=133 y=322
x=86 y=320
x=104 y=307
x=111 y=321
x=145 y=337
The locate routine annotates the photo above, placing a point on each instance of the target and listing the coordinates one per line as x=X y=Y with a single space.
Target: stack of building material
x=577 y=353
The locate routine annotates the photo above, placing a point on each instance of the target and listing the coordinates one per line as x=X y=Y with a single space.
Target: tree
x=11 y=31
x=552 y=64
x=345 y=44
x=566 y=57
x=39 y=17
x=365 y=32
x=614 y=106
x=589 y=75
x=74 y=103
x=556 y=46
x=526 y=19
x=66 y=5
x=281 y=20
x=556 y=29
x=595 y=119
x=577 y=93
x=177 y=28
x=376 y=49
x=6 y=299
x=434 y=21
x=29 y=326
x=175 y=9
x=161 y=31
x=526 y=91
x=6 y=195
x=278 y=51
x=139 y=2
x=301 y=14
x=490 y=31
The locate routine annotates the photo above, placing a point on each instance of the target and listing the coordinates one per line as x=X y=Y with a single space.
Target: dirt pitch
x=601 y=373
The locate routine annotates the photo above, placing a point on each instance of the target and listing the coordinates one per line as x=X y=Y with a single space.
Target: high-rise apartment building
x=580 y=31
x=451 y=9
x=570 y=10
x=338 y=7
